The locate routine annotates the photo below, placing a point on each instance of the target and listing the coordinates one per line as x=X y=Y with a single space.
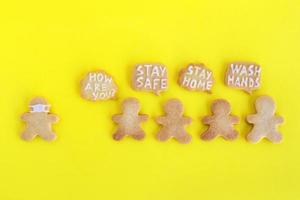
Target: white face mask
x=40 y=108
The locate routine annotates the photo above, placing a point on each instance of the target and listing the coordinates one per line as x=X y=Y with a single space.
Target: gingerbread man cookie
x=129 y=122
x=39 y=121
x=221 y=122
x=265 y=122
x=174 y=122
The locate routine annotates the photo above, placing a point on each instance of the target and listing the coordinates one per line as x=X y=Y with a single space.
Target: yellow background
x=47 y=47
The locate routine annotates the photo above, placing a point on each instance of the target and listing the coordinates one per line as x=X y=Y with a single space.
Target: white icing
x=244 y=76
x=164 y=83
x=140 y=82
x=103 y=94
x=208 y=75
x=140 y=70
x=147 y=67
x=88 y=87
x=148 y=84
x=99 y=77
x=190 y=70
x=209 y=85
x=193 y=83
x=155 y=83
x=244 y=70
x=163 y=71
x=151 y=77
x=155 y=71
x=40 y=108
x=197 y=77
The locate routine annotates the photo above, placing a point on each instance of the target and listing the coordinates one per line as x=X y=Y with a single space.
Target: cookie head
x=39 y=105
x=131 y=105
x=174 y=106
x=221 y=107
x=265 y=105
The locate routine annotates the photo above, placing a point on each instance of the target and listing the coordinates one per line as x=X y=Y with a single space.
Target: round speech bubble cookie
x=150 y=78
x=196 y=77
x=98 y=86
x=245 y=76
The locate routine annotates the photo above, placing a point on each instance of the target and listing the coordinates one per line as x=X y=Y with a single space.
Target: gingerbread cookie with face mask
x=39 y=121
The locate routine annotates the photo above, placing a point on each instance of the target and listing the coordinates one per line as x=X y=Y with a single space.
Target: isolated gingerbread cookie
x=173 y=124
x=150 y=78
x=221 y=122
x=39 y=121
x=129 y=123
x=245 y=76
x=98 y=86
x=196 y=77
x=265 y=122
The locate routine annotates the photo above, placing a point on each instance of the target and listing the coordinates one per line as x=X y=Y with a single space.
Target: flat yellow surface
x=47 y=47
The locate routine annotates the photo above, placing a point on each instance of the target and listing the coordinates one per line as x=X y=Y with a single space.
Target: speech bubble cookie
x=150 y=78
x=98 y=86
x=196 y=77
x=245 y=76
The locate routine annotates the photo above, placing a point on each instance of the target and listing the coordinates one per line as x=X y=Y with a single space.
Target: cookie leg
x=232 y=135
x=275 y=137
x=163 y=136
x=28 y=135
x=184 y=138
x=139 y=135
x=254 y=137
x=208 y=135
x=48 y=136
x=119 y=135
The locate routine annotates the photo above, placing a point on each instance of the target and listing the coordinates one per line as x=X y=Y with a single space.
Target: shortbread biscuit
x=98 y=86
x=221 y=122
x=245 y=76
x=196 y=77
x=150 y=78
x=265 y=122
x=173 y=124
x=39 y=121
x=129 y=122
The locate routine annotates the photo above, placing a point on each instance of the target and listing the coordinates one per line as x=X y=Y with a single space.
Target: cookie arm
x=207 y=120
x=143 y=118
x=252 y=119
x=53 y=118
x=187 y=120
x=117 y=118
x=234 y=119
x=279 y=120
x=161 y=120
x=25 y=117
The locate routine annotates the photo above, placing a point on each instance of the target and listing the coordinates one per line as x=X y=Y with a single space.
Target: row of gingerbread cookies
x=99 y=86
x=39 y=121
